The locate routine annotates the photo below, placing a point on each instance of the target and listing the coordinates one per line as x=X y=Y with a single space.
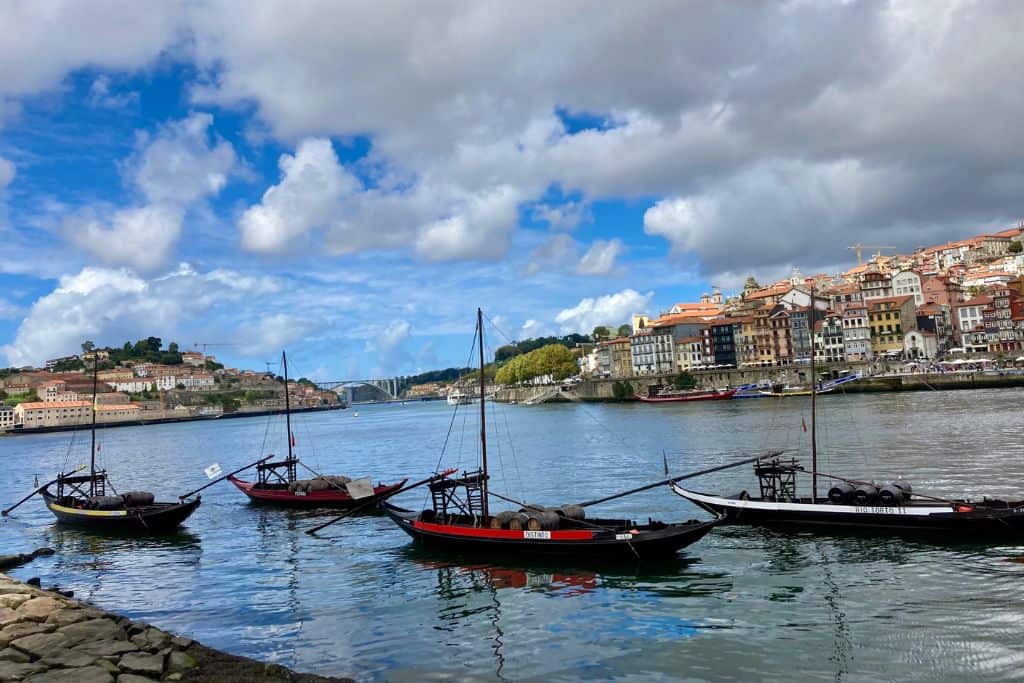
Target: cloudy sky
x=351 y=180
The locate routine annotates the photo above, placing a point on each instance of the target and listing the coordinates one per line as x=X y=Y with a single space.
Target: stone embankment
x=46 y=637
x=604 y=389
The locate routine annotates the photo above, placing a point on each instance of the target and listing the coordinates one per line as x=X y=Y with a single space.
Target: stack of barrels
x=319 y=484
x=537 y=517
x=895 y=493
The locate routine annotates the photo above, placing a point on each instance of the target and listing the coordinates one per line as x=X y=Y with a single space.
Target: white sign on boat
x=360 y=488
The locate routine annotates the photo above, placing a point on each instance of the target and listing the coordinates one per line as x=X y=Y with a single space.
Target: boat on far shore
x=655 y=394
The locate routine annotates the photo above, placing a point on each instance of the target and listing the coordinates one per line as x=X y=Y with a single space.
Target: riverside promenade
x=46 y=637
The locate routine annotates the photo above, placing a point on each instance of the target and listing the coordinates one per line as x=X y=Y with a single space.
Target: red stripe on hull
x=710 y=396
x=508 y=534
x=327 y=497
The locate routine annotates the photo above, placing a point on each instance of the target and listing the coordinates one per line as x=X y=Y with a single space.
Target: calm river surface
x=743 y=604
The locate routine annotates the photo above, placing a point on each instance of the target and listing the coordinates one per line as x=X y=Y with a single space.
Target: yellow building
x=889 y=319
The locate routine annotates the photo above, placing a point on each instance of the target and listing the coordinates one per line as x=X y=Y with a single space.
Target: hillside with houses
x=142 y=383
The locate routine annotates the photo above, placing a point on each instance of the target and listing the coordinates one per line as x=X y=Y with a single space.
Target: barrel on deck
x=517 y=521
x=542 y=521
x=890 y=495
x=841 y=494
x=501 y=520
x=865 y=494
x=570 y=511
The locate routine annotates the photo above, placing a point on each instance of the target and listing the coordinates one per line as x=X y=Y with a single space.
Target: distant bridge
x=392 y=387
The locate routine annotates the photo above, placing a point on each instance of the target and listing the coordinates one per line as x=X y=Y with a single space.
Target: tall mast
x=814 y=394
x=287 y=406
x=92 y=455
x=483 y=412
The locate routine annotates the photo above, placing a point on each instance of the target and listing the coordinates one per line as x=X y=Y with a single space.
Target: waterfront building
x=719 y=346
x=830 y=342
x=936 y=319
x=134 y=386
x=745 y=340
x=875 y=285
x=856 y=332
x=54 y=362
x=943 y=290
x=781 y=336
x=907 y=282
x=1004 y=321
x=920 y=345
x=641 y=346
x=800 y=322
x=890 y=318
x=200 y=381
x=689 y=354
x=764 y=345
x=115 y=375
x=6 y=418
x=615 y=358
x=970 y=322
x=55 y=391
x=986 y=277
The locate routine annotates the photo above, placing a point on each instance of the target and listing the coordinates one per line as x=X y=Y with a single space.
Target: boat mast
x=92 y=428
x=483 y=412
x=288 y=418
x=814 y=394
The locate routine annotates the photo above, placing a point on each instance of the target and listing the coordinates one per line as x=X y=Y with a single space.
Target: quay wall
x=603 y=389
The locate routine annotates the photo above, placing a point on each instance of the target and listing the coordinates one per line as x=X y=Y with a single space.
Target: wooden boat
x=277 y=483
x=460 y=518
x=656 y=396
x=83 y=500
x=855 y=505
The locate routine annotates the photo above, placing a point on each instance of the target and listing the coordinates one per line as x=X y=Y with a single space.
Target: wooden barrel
x=501 y=520
x=533 y=508
x=518 y=521
x=570 y=511
x=542 y=521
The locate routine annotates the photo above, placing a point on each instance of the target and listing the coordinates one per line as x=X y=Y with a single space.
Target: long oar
x=672 y=480
x=376 y=499
x=220 y=479
x=8 y=510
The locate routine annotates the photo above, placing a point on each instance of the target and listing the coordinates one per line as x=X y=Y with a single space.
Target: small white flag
x=360 y=488
x=213 y=471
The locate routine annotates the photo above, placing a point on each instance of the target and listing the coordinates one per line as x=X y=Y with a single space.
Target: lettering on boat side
x=877 y=510
x=623 y=537
x=541 y=535
x=300 y=493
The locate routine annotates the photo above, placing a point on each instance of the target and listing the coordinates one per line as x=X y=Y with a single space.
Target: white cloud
x=565 y=216
x=101 y=95
x=9 y=311
x=272 y=333
x=479 y=231
x=557 y=250
x=600 y=258
x=141 y=237
x=180 y=165
x=7 y=173
x=312 y=185
x=111 y=305
x=389 y=345
x=610 y=309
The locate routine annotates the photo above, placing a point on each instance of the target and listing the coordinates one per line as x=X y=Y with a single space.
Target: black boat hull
x=154 y=519
x=962 y=520
x=648 y=544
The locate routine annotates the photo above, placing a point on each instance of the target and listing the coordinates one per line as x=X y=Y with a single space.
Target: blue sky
x=351 y=181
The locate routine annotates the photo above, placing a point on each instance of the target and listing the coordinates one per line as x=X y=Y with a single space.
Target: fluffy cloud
x=9 y=311
x=179 y=164
x=312 y=185
x=272 y=333
x=141 y=237
x=7 y=172
x=479 y=230
x=562 y=216
x=600 y=258
x=555 y=251
x=111 y=305
x=610 y=309
x=389 y=345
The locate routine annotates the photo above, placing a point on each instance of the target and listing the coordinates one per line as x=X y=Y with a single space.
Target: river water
x=742 y=604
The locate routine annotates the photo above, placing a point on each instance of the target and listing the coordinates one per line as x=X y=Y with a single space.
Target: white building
x=908 y=283
x=856 y=332
x=920 y=345
x=6 y=418
x=56 y=391
x=135 y=386
x=198 y=382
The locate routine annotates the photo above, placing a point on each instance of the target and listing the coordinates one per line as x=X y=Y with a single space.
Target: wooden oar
x=672 y=480
x=8 y=510
x=220 y=479
x=376 y=499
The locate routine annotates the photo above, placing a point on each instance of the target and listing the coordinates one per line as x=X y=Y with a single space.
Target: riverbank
x=172 y=420
x=600 y=390
x=46 y=637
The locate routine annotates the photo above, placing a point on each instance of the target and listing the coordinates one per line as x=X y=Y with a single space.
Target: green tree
x=600 y=333
x=172 y=347
x=684 y=380
x=622 y=390
x=625 y=330
x=1015 y=247
x=88 y=346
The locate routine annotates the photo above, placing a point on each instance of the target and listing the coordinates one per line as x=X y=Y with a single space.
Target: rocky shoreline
x=46 y=637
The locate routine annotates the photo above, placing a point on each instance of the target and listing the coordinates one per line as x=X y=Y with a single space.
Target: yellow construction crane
x=857 y=249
